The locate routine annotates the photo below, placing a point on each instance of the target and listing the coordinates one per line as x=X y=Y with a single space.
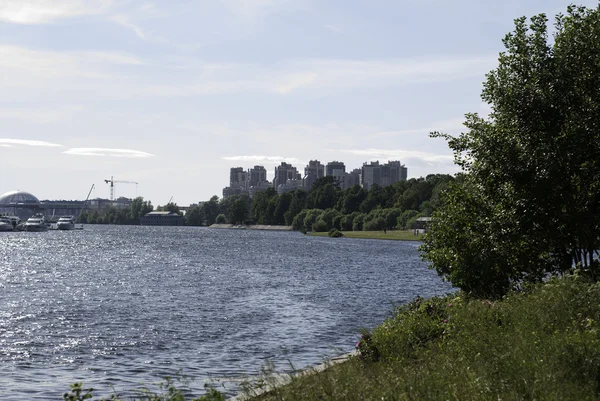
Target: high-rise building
x=237 y=177
x=312 y=172
x=352 y=178
x=285 y=172
x=336 y=169
x=257 y=175
x=382 y=175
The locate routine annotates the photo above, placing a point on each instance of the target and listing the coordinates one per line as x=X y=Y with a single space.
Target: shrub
x=221 y=219
x=334 y=233
x=320 y=226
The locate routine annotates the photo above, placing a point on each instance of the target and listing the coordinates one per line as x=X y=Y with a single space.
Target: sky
x=173 y=93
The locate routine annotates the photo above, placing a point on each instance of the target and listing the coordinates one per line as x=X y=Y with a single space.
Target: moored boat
x=6 y=225
x=65 y=223
x=36 y=223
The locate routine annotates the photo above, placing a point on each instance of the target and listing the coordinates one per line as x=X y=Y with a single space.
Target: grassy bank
x=397 y=235
x=543 y=344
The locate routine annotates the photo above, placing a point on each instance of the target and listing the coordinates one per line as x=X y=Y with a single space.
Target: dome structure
x=19 y=199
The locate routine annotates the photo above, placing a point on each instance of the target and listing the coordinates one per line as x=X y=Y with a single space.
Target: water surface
x=126 y=305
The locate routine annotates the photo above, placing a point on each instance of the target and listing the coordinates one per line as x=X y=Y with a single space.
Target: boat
x=11 y=223
x=36 y=222
x=6 y=225
x=65 y=223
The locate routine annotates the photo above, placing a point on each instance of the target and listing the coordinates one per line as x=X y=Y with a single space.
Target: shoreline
x=251 y=227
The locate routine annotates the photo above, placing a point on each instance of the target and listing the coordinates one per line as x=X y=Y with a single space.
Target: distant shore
x=252 y=227
x=394 y=235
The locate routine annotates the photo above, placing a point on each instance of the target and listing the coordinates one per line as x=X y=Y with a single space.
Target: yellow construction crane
x=112 y=182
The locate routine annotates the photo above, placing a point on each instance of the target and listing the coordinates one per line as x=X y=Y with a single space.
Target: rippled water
x=129 y=305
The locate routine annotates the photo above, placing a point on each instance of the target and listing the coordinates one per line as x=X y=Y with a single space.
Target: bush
x=334 y=233
x=221 y=219
x=357 y=223
x=320 y=226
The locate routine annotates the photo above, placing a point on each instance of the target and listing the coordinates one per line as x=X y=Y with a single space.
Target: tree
x=195 y=216
x=238 y=212
x=528 y=204
x=211 y=210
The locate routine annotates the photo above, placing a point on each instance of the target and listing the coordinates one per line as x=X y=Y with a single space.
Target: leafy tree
x=195 y=216
x=238 y=211
x=211 y=210
x=221 y=219
x=528 y=204
x=298 y=203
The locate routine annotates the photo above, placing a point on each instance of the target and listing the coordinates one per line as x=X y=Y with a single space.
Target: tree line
x=327 y=206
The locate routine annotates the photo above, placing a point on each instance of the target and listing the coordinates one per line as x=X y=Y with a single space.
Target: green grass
x=543 y=344
x=397 y=235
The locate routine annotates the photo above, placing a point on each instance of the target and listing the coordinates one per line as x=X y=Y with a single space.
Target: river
x=128 y=305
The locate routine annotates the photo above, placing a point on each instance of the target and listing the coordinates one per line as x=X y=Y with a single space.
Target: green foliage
x=529 y=203
x=112 y=215
x=357 y=222
x=169 y=207
x=195 y=216
x=334 y=233
x=168 y=390
x=542 y=344
x=78 y=393
x=239 y=210
x=211 y=210
x=311 y=217
x=221 y=219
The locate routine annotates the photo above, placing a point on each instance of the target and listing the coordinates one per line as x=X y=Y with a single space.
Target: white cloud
x=47 y=11
x=316 y=75
x=5 y=146
x=125 y=22
x=332 y=28
x=135 y=154
x=263 y=159
x=399 y=154
x=295 y=81
x=26 y=142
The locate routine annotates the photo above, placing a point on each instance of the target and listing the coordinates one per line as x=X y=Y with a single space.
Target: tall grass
x=540 y=344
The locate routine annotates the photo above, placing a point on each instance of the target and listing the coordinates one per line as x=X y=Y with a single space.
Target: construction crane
x=112 y=182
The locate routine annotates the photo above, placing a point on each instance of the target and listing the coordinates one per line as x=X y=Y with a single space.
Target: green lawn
x=397 y=235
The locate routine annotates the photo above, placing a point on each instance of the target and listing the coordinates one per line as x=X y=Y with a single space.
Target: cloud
x=332 y=28
x=399 y=154
x=125 y=22
x=263 y=159
x=135 y=154
x=296 y=81
x=5 y=146
x=7 y=142
x=46 y=11
x=316 y=75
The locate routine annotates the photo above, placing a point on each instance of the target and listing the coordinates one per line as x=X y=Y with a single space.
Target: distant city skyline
x=172 y=94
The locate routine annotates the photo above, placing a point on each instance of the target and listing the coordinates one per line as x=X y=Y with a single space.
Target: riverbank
x=394 y=235
x=252 y=227
x=543 y=344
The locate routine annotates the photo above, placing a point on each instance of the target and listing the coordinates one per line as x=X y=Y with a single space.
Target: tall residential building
x=312 y=172
x=336 y=169
x=352 y=178
x=237 y=177
x=382 y=174
x=285 y=172
x=257 y=175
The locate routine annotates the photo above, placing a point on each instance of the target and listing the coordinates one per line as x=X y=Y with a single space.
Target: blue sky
x=171 y=94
